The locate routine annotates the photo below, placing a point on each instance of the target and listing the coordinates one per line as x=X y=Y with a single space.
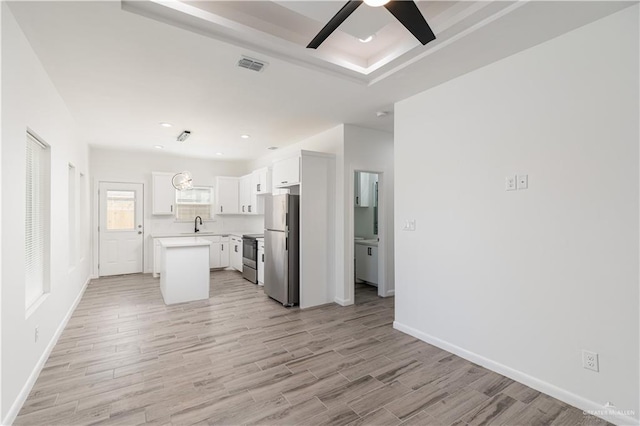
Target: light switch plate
x=409 y=225
x=523 y=181
x=510 y=183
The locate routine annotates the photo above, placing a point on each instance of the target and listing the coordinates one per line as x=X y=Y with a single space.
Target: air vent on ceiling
x=251 y=64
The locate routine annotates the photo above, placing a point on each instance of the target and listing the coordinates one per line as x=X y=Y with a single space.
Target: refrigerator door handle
x=286 y=244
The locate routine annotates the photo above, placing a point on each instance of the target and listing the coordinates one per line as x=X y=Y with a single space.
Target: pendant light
x=183 y=180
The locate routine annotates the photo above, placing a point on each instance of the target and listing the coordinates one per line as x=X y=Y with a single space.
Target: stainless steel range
x=250 y=257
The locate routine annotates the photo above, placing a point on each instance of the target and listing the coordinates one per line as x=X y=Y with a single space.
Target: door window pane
x=121 y=210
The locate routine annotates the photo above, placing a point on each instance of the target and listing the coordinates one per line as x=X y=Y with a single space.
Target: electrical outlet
x=590 y=360
x=510 y=183
x=523 y=181
x=36 y=334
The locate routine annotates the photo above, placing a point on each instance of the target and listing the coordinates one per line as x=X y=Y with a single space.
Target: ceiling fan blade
x=409 y=15
x=334 y=23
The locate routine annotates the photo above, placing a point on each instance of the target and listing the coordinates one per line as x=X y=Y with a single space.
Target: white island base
x=185 y=269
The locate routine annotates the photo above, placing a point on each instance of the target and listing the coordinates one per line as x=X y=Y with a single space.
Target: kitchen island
x=185 y=269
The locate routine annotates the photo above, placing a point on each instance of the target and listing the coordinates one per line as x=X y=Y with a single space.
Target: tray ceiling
x=284 y=29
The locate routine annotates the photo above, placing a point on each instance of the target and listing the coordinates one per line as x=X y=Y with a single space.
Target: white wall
x=523 y=281
x=133 y=166
x=29 y=100
x=1 y=139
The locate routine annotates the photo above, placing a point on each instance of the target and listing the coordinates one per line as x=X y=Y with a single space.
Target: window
x=84 y=217
x=121 y=210
x=194 y=202
x=72 y=214
x=37 y=209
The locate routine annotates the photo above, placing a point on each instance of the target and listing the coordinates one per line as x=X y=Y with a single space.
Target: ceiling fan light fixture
x=366 y=40
x=376 y=3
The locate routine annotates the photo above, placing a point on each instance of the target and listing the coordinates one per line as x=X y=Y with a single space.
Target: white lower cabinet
x=224 y=252
x=367 y=263
x=218 y=253
x=260 y=261
x=235 y=255
x=157 y=257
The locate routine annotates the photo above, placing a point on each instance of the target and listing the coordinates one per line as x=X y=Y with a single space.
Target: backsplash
x=221 y=224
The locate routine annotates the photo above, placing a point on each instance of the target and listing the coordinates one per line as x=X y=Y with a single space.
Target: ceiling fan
x=405 y=11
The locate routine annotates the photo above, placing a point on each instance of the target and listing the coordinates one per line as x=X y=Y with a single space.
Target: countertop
x=201 y=233
x=184 y=242
x=372 y=242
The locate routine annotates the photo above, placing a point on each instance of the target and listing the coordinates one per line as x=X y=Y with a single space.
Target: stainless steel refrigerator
x=281 y=256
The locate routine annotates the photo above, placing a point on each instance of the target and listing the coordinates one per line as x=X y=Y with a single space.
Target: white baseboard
x=342 y=302
x=519 y=376
x=26 y=389
x=390 y=293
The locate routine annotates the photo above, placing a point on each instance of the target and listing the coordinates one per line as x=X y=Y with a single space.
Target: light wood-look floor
x=240 y=358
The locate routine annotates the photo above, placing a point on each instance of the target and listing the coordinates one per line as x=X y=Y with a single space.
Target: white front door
x=121 y=234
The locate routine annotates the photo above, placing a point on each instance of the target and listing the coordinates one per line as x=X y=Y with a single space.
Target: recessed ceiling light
x=367 y=40
x=382 y=114
x=273 y=148
x=158 y=147
x=218 y=153
x=163 y=124
x=245 y=136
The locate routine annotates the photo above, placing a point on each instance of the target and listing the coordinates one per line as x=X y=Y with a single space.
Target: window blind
x=36 y=219
x=194 y=202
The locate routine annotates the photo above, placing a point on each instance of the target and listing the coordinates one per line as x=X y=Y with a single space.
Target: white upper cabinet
x=261 y=181
x=286 y=172
x=227 y=201
x=163 y=195
x=363 y=189
x=246 y=206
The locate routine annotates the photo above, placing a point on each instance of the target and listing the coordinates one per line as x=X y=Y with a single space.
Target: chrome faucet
x=196 y=224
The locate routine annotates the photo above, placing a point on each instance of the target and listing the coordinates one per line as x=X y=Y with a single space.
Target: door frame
x=95 y=223
x=382 y=237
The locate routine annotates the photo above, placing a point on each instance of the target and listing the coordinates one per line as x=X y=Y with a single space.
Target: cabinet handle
x=242 y=209
x=235 y=248
x=258 y=187
x=262 y=257
x=249 y=209
x=369 y=251
x=285 y=181
x=220 y=209
x=357 y=200
x=171 y=208
x=221 y=247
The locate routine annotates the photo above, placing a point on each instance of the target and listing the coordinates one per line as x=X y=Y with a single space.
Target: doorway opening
x=368 y=249
x=120 y=231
